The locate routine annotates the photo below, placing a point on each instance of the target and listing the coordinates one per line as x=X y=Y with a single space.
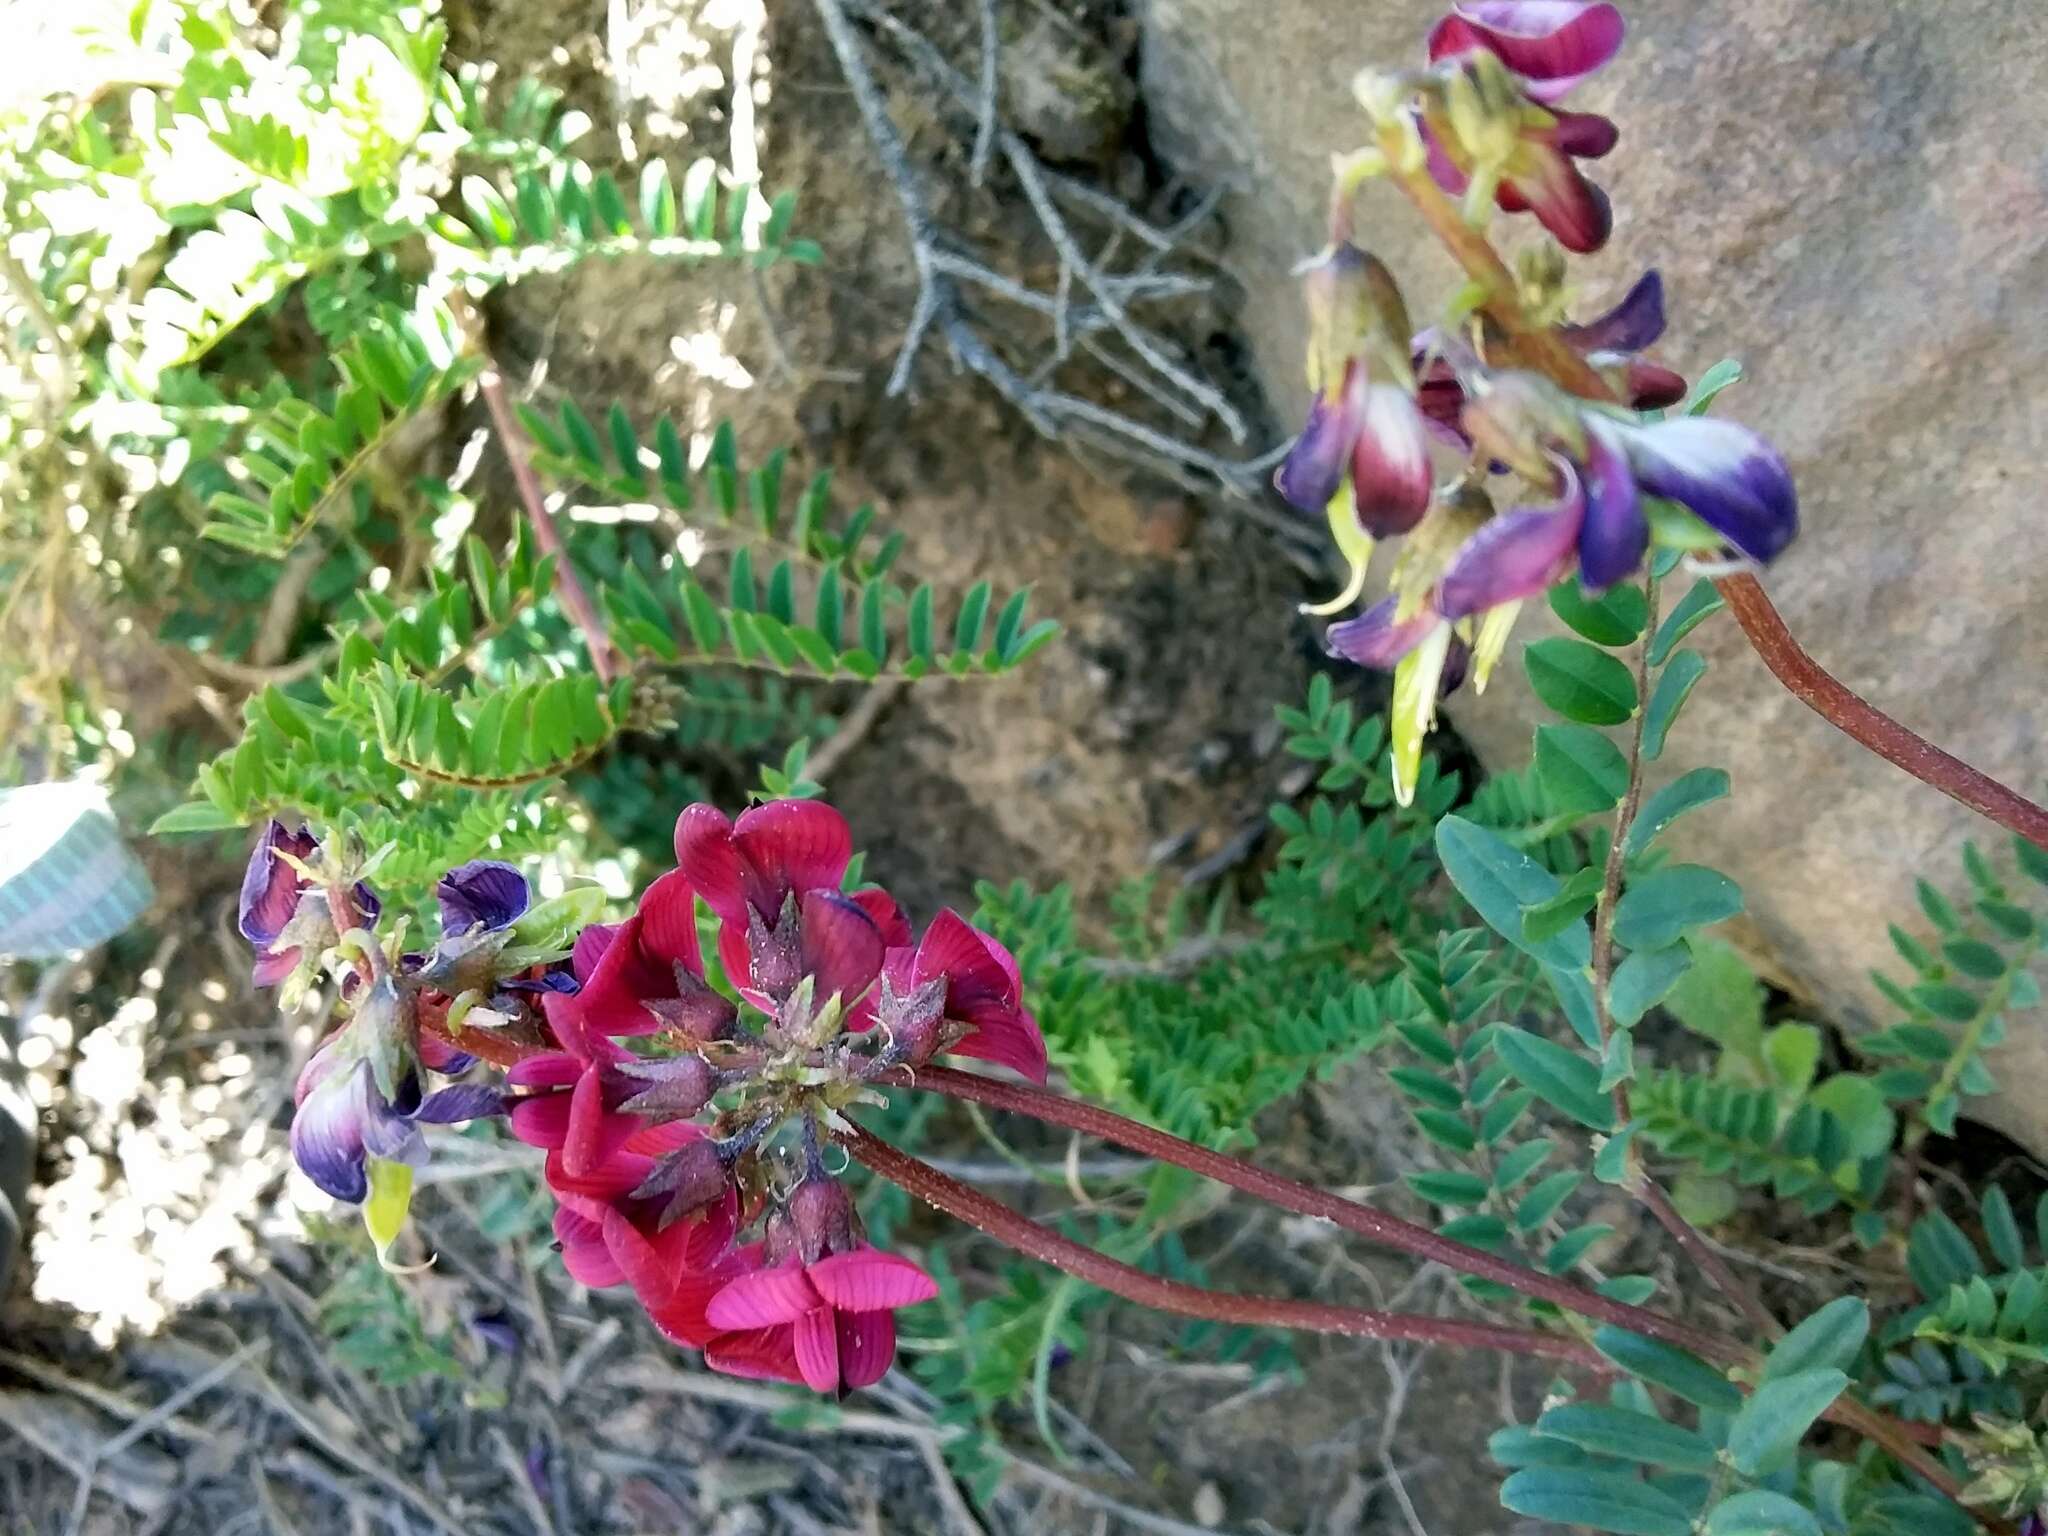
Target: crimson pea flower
x=821 y=1309
x=960 y=976
x=273 y=892
x=773 y=878
x=647 y=973
x=1499 y=122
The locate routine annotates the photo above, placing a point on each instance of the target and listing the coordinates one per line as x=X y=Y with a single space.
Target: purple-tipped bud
x=691 y=1177
x=677 y=1086
x=1314 y=467
x=823 y=1219
x=482 y=893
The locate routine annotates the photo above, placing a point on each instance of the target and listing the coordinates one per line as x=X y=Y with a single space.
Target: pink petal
x=270 y=969
x=889 y=918
x=681 y=1316
x=546 y=1069
x=957 y=950
x=609 y=1003
x=584 y=1253
x=589 y=948
x=542 y=1121
x=1552 y=44
x=706 y=857
x=867 y=1346
x=842 y=948
x=817 y=1349
x=1390 y=473
x=668 y=932
x=758 y=1354
x=1011 y=1039
x=791 y=845
x=580 y=1149
x=763 y=1299
x=639 y=1260
x=868 y=1280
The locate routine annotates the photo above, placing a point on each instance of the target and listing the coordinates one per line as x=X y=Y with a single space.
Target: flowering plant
x=692 y=1071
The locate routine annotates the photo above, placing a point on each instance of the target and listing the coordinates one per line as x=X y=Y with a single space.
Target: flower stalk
x=1029 y=1238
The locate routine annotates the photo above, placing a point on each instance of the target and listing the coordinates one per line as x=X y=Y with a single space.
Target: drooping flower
x=1497 y=133
x=1607 y=469
x=343 y=1118
x=1362 y=459
x=282 y=911
x=821 y=1309
x=959 y=992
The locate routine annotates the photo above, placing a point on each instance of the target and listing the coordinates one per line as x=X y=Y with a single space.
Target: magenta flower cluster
x=832 y=992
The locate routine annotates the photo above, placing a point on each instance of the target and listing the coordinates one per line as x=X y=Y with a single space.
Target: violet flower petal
x=1514 y=556
x=1374 y=639
x=1633 y=325
x=1614 y=535
x=483 y=891
x=1552 y=44
x=1725 y=473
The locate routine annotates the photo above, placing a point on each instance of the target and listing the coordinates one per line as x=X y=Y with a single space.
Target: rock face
x=1853 y=200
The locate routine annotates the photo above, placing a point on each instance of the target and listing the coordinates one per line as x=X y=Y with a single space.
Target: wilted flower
x=1496 y=132
x=275 y=889
x=821 y=1309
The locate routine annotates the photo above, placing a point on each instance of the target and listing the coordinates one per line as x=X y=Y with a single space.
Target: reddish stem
x=575 y=599
x=1049 y=1247
x=480 y=1043
x=1855 y=717
x=1274 y=1189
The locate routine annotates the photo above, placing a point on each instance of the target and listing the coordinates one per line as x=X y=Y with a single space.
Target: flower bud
x=1518 y=418
x=676 y=1086
x=823 y=1218
x=691 y=1177
x=912 y=1020
x=1353 y=302
x=1484 y=109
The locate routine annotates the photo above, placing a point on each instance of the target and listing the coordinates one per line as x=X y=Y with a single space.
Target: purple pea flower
x=343 y=1118
x=273 y=893
x=482 y=893
x=1511 y=62
x=1369 y=431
